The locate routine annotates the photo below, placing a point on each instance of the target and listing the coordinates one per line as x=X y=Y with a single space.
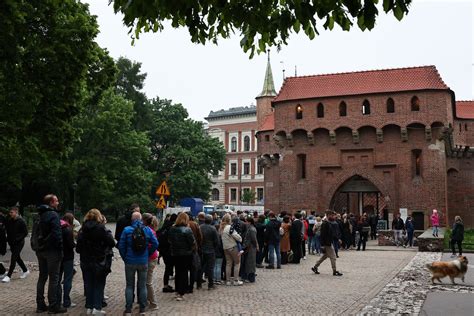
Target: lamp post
x=74 y=188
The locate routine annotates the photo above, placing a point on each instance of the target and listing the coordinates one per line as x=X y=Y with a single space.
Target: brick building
x=372 y=140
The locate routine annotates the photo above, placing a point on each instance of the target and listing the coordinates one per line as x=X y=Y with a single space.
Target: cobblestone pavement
x=406 y=293
x=291 y=290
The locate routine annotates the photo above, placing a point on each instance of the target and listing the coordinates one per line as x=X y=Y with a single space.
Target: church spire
x=268 y=86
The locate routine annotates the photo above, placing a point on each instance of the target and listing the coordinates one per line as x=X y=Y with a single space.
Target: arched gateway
x=358 y=195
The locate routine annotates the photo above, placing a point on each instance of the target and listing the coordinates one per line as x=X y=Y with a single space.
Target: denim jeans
x=66 y=274
x=311 y=247
x=94 y=282
x=435 y=230
x=317 y=244
x=272 y=248
x=130 y=271
x=49 y=263
x=218 y=269
x=335 y=244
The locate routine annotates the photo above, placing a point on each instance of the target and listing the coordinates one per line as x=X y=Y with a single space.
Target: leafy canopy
x=261 y=23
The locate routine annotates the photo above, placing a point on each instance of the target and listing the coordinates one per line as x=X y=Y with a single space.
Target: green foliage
x=468 y=242
x=261 y=24
x=46 y=47
x=180 y=146
x=248 y=196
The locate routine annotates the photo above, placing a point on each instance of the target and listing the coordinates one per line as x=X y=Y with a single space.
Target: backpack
x=38 y=241
x=139 y=244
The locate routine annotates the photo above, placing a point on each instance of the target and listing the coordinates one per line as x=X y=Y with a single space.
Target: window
x=320 y=110
x=390 y=106
x=233 y=194
x=215 y=194
x=267 y=138
x=301 y=166
x=365 y=108
x=260 y=168
x=233 y=144
x=246 y=168
x=233 y=169
x=299 y=112
x=260 y=194
x=415 y=104
x=416 y=153
x=342 y=109
x=246 y=143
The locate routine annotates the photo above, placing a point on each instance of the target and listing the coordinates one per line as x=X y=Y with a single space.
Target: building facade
x=388 y=141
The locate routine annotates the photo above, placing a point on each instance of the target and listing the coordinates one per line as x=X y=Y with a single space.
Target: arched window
x=320 y=110
x=301 y=166
x=365 y=107
x=233 y=144
x=416 y=154
x=342 y=109
x=390 y=106
x=299 y=112
x=415 y=104
x=215 y=194
x=246 y=143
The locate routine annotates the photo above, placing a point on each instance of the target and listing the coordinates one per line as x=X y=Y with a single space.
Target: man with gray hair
x=210 y=242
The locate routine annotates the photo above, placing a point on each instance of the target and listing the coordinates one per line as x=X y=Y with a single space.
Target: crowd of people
x=206 y=250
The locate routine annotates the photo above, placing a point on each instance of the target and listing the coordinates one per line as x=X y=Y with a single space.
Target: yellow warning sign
x=163 y=189
x=161 y=203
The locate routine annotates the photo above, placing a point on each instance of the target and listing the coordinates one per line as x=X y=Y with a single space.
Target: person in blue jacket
x=136 y=243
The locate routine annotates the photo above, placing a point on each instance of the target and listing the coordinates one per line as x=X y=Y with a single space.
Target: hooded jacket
x=125 y=245
x=50 y=227
x=68 y=241
x=272 y=231
x=93 y=242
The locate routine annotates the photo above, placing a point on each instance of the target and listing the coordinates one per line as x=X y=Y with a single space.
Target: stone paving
x=292 y=290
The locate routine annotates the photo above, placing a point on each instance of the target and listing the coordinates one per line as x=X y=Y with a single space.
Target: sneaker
x=269 y=267
x=57 y=310
x=6 y=279
x=238 y=283
x=98 y=312
x=315 y=270
x=127 y=312
x=106 y=297
x=3 y=275
x=304 y=258
x=25 y=274
x=337 y=273
x=41 y=309
x=228 y=283
x=179 y=298
x=260 y=266
x=152 y=306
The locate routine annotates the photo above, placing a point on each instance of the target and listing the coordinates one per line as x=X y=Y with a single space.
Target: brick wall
x=461 y=190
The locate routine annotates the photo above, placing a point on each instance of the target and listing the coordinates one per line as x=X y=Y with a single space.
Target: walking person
x=326 y=243
x=151 y=222
x=317 y=235
x=398 y=226
x=311 y=243
x=364 y=228
x=373 y=220
x=93 y=242
x=47 y=242
x=435 y=222
x=16 y=234
x=67 y=265
x=410 y=228
x=135 y=245
x=230 y=237
x=182 y=244
x=457 y=235
x=210 y=243
x=272 y=239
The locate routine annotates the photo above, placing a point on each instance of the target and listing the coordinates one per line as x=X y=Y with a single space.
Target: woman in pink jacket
x=435 y=222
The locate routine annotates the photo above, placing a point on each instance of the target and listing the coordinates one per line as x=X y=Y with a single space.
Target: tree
x=180 y=146
x=48 y=52
x=260 y=23
x=248 y=196
x=110 y=157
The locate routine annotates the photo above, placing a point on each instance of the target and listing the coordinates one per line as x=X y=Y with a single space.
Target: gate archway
x=358 y=195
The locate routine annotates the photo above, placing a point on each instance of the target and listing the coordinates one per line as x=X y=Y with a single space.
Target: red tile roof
x=268 y=123
x=465 y=109
x=362 y=82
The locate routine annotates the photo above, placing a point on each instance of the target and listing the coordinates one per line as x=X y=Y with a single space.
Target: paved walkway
x=291 y=290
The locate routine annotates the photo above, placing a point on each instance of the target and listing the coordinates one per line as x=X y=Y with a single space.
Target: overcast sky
x=205 y=78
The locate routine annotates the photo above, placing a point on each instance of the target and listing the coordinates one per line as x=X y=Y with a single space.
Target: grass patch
x=468 y=242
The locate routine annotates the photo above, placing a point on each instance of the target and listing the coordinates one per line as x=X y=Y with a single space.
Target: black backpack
x=139 y=244
x=38 y=241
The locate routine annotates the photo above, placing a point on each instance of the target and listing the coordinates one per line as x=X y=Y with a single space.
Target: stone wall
x=385 y=237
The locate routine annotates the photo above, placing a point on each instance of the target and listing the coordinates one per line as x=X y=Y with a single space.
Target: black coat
x=181 y=239
x=398 y=224
x=16 y=231
x=326 y=234
x=272 y=231
x=68 y=241
x=3 y=236
x=51 y=227
x=94 y=242
x=260 y=233
x=210 y=240
x=296 y=231
x=336 y=229
x=122 y=222
x=458 y=232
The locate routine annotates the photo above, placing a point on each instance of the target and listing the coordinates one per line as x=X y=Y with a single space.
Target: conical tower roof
x=268 y=85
